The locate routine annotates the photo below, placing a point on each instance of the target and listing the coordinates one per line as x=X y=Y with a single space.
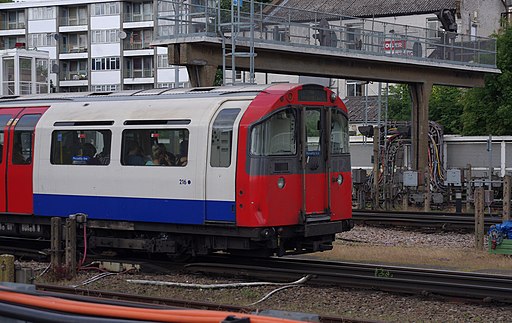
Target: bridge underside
x=202 y=59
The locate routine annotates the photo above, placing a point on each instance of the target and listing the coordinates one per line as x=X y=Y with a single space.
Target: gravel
x=330 y=301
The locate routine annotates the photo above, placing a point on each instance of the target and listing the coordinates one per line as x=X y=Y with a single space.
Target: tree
x=445 y=107
x=488 y=110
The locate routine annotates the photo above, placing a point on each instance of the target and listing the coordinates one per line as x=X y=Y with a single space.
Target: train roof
x=179 y=93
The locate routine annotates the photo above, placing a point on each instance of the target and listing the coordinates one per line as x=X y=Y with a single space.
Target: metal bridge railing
x=306 y=29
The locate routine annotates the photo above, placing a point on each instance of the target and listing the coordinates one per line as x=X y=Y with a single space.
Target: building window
x=105 y=88
x=355 y=88
x=73 y=70
x=163 y=61
x=105 y=63
x=104 y=36
x=138 y=39
x=81 y=147
x=14 y=19
x=41 y=40
x=138 y=67
x=73 y=16
x=105 y=9
x=155 y=147
x=74 y=43
x=9 y=42
x=41 y=13
x=138 y=11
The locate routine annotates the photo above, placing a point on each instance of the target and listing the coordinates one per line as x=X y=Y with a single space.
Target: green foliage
x=479 y=111
x=399 y=103
x=488 y=110
x=445 y=108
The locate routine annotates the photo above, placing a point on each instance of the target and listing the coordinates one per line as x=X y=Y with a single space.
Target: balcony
x=73 y=16
x=12 y=20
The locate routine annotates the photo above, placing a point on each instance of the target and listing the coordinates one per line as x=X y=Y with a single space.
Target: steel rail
x=422 y=281
x=465 y=221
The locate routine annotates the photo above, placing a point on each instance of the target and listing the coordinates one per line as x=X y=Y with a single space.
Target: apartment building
x=93 y=45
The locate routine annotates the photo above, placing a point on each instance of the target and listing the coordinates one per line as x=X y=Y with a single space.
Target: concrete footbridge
x=277 y=39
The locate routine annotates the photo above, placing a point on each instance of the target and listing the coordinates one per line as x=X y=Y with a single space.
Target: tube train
x=264 y=169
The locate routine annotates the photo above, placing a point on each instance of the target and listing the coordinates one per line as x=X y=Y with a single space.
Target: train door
x=20 y=160
x=314 y=161
x=7 y=116
x=221 y=165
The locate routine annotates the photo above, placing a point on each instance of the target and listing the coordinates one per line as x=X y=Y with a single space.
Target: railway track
x=419 y=281
x=112 y=298
x=446 y=221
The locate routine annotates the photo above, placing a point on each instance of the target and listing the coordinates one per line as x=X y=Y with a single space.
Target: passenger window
x=155 y=147
x=222 y=137
x=275 y=136
x=81 y=147
x=4 y=118
x=339 y=133
x=22 y=141
x=314 y=139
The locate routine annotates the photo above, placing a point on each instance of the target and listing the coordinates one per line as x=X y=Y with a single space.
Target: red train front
x=293 y=171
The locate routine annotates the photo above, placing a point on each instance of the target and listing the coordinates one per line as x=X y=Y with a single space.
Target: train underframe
x=146 y=238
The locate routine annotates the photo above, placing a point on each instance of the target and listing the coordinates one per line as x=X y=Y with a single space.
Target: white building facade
x=93 y=45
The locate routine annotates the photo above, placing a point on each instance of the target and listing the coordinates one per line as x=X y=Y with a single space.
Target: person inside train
x=158 y=157
x=89 y=152
x=17 y=155
x=135 y=156
x=170 y=159
x=183 y=157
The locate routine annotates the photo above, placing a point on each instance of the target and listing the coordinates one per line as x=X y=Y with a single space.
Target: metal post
x=70 y=254
x=469 y=209
x=427 y=190
x=56 y=239
x=479 y=218
x=507 y=183
x=376 y=166
x=7 y=268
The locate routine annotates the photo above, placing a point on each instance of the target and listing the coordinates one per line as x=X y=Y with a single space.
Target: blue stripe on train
x=134 y=209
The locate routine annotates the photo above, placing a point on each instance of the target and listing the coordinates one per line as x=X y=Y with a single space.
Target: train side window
x=275 y=136
x=222 y=137
x=339 y=133
x=22 y=141
x=4 y=118
x=155 y=147
x=81 y=147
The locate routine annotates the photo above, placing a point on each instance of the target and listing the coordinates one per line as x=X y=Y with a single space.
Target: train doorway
x=19 y=160
x=314 y=165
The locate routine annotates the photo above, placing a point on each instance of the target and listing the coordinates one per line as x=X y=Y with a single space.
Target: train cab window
x=81 y=147
x=4 y=118
x=22 y=141
x=155 y=147
x=339 y=133
x=276 y=136
x=222 y=137
x=313 y=133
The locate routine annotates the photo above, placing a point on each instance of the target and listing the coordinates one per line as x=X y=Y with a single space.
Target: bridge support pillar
x=201 y=61
x=201 y=75
x=420 y=95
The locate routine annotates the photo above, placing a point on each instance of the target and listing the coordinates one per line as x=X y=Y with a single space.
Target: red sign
x=395 y=44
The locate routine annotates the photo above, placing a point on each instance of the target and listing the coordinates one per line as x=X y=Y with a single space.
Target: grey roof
x=357 y=107
x=369 y=8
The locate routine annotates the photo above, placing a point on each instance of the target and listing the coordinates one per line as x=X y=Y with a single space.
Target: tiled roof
x=357 y=107
x=368 y=8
